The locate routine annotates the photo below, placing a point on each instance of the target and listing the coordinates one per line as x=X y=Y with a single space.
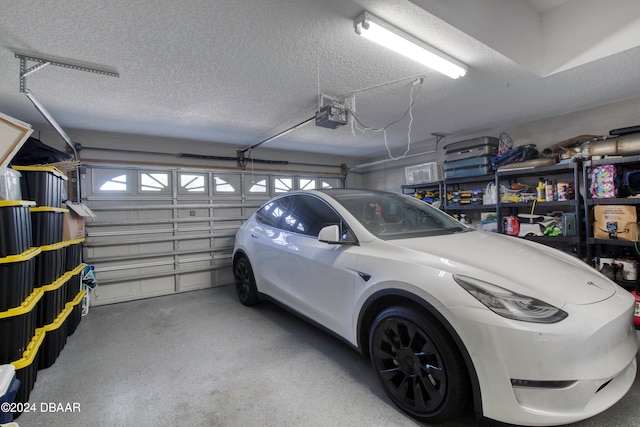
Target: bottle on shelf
x=541 y=190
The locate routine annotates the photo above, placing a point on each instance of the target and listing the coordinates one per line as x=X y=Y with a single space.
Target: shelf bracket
x=42 y=62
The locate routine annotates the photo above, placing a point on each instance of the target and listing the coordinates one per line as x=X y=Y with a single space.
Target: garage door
x=163 y=231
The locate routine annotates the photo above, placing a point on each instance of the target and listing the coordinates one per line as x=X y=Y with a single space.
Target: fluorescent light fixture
x=376 y=30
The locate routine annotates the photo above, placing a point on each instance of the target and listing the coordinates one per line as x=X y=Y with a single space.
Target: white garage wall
x=544 y=133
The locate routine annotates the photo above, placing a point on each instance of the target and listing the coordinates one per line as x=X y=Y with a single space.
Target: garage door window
x=329 y=183
x=154 y=182
x=282 y=184
x=257 y=187
x=192 y=183
x=227 y=183
x=110 y=180
x=306 y=183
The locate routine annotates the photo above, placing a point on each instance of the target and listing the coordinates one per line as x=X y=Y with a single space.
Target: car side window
x=310 y=214
x=274 y=213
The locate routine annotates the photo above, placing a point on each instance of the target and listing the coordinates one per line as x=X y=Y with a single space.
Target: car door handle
x=254 y=236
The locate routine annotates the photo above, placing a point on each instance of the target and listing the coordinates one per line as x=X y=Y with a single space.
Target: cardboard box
x=13 y=135
x=615 y=222
x=73 y=227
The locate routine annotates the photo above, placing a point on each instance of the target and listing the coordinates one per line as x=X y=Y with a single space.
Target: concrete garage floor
x=202 y=359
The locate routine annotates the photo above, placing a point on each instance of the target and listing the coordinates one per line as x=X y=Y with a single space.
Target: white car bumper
x=540 y=375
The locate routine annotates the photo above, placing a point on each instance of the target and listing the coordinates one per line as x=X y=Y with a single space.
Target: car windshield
x=396 y=216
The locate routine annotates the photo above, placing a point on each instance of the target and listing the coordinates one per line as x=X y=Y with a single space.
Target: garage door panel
x=223 y=276
x=157 y=286
x=155 y=214
x=191 y=212
x=191 y=262
x=193 y=226
x=223 y=242
x=117 y=292
x=137 y=289
x=164 y=231
x=197 y=280
x=227 y=212
x=195 y=244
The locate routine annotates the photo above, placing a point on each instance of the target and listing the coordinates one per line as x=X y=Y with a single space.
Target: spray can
x=562 y=191
x=549 y=191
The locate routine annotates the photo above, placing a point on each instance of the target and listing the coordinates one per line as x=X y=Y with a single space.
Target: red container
x=636 y=316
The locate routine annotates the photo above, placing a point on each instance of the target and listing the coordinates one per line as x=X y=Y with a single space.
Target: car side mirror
x=330 y=234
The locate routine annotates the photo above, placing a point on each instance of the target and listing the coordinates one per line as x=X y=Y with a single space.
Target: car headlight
x=510 y=304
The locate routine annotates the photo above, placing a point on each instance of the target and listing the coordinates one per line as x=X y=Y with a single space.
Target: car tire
x=245 y=282
x=418 y=364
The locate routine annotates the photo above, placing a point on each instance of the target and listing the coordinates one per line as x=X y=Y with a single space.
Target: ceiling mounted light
x=375 y=29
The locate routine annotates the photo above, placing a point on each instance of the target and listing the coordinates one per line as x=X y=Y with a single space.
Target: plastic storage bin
x=55 y=338
x=75 y=316
x=10 y=184
x=53 y=301
x=17 y=327
x=27 y=368
x=9 y=385
x=50 y=264
x=17 y=274
x=15 y=226
x=45 y=185
x=47 y=224
x=74 y=253
x=74 y=284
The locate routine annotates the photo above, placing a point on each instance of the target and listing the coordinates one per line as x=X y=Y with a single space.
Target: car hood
x=517 y=264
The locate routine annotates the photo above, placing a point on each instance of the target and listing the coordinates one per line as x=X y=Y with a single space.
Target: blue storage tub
x=9 y=386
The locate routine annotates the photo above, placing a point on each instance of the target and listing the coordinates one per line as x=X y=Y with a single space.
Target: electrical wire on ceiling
x=409 y=111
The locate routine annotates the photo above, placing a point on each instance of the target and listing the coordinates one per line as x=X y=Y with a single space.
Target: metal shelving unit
x=598 y=247
x=572 y=171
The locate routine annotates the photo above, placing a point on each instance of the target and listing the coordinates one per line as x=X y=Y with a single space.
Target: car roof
x=351 y=191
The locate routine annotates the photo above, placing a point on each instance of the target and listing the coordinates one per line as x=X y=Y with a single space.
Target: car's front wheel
x=245 y=281
x=418 y=364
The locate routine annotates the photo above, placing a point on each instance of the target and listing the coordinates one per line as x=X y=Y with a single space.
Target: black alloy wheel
x=245 y=282
x=418 y=364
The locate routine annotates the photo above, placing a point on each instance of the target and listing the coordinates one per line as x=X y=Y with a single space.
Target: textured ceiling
x=239 y=72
